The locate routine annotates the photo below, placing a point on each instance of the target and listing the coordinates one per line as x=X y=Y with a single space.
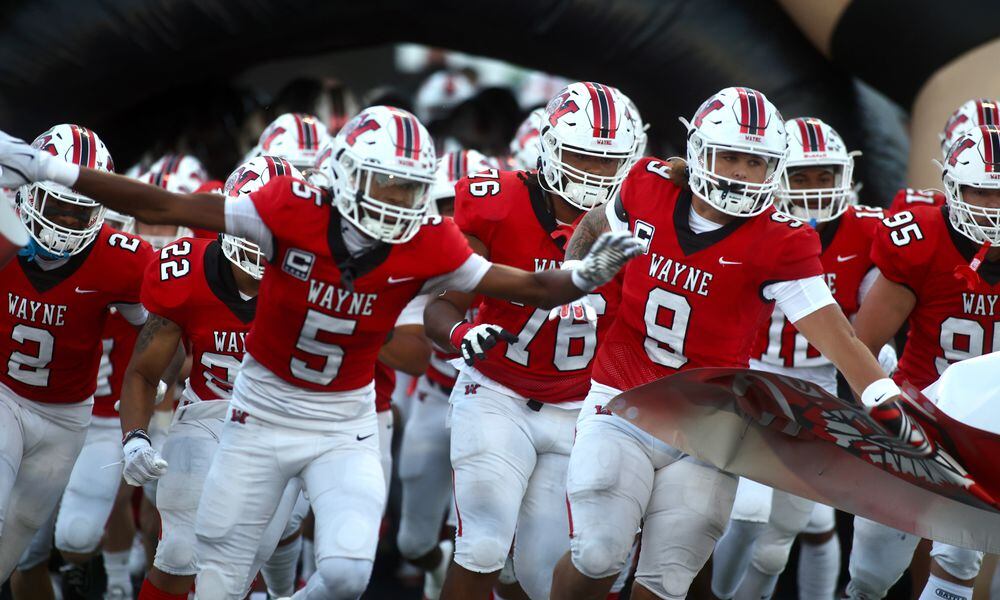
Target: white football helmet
x=526 y=148
x=119 y=221
x=973 y=161
x=736 y=119
x=247 y=179
x=178 y=174
x=46 y=207
x=589 y=119
x=813 y=143
x=296 y=137
x=382 y=150
x=970 y=115
x=450 y=168
x=317 y=173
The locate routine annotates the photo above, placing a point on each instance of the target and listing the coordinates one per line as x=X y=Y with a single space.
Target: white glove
x=142 y=463
x=580 y=309
x=607 y=256
x=21 y=164
x=473 y=342
x=887 y=359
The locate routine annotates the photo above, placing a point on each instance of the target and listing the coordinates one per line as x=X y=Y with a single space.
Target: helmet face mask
x=245 y=255
x=971 y=175
x=385 y=205
x=817 y=184
x=579 y=186
x=120 y=222
x=62 y=222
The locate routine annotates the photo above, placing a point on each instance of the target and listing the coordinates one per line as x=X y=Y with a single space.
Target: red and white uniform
x=50 y=338
x=327 y=301
x=697 y=297
x=847 y=263
x=514 y=413
x=909 y=198
x=920 y=249
x=192 y=285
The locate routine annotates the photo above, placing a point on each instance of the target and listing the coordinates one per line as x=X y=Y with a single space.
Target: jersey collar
x=829 y=232
x=43 y=280
x=560 y=234
x=352 y=267
x=691 y=242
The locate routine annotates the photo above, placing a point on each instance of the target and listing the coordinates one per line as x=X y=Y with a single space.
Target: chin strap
x=968 y=272
x=34 y=250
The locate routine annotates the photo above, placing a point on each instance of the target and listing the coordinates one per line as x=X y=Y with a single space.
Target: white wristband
x=60 y=171
x=879 y=392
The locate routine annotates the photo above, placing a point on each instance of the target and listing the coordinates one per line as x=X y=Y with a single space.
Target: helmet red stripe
x=596 y=108
x=313 y=135
x=76 y=143
x=804 y=134
x=400 y=142
x=760 y=113
x=744 y=110
x=300 y=129
x=465 y=163
x=414 y=137
x=820 y=140
x=612 y=119
x=988 y=147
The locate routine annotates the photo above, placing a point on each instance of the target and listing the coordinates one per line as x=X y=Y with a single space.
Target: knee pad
x=879 y=556
x=599 y=557
x=957 y=562
x=480 y=553
x=78 y=533
x=752 y=503
x=344 y=578
x=175 y=555
x=770 y=554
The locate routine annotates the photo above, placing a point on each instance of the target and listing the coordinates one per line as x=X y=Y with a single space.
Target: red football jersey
x=551 y=360
x=920 y=249
x=323 y=315
x=51 y=334
x=117 y=340
x=192 y=284
x=385 y=384
x=694 y=300
x=846 y=258
x=908 y=198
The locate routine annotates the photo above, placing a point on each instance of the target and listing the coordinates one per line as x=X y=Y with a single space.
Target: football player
x=939 y=274
x=513 y=411
x=717 y=255
x=201 y=294
x=969 y=115
x=59 y=291
x=343 y=263
x=816 y=189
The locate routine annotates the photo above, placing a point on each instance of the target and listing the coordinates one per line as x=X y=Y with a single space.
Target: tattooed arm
x=593 y=224
x=155 y=352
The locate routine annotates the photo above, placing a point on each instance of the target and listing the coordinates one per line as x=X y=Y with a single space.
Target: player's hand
x=473 y=342
x=887 y=359
x=607 y=256
x=21 y=164
x=579 y=310
x=142 y=463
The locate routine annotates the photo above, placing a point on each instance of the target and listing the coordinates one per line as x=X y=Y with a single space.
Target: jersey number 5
x=328 y=356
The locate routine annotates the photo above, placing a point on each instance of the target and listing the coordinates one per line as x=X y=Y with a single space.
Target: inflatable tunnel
x=125 y=67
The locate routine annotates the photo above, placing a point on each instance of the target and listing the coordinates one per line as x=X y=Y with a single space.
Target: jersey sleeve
x=129 y=270
x=794 y=251
x=165 y=297
x=448 y=258
x=470 y=215
x=901 y=252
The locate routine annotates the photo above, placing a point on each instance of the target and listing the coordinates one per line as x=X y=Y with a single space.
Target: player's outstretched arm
x=154 y=352
x=555 y=287
x=21 y=164
x=883 y=311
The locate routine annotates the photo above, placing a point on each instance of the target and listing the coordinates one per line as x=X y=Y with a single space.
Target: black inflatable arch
x=92 y=61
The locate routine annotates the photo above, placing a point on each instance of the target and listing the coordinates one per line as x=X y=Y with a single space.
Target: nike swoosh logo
x=79 y=291
x=363 y=438
x=846 y=258
x=723 y=261
x=400 y=279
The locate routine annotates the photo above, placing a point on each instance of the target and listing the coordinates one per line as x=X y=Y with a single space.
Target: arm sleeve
x=242 y=220
x=615 y=213
x=135 y=314
x=413 y=313
x=800 y=297
x=463 y=279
